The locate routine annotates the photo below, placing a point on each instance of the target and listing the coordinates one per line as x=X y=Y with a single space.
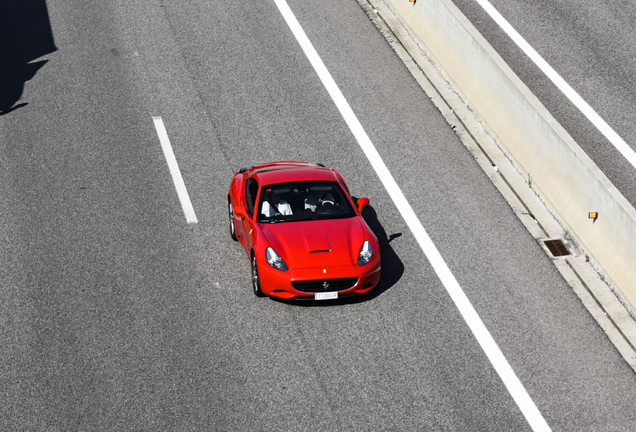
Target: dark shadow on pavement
x=25 y=35
x=392 y=267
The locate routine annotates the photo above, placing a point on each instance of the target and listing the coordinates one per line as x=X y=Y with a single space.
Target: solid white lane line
x=483 y=336
x=567 y=90
x=182 y=192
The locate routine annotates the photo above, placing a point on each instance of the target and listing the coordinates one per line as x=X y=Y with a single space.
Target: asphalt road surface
x=117 y=314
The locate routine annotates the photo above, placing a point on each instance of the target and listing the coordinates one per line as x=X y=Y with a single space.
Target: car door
x=251 y=192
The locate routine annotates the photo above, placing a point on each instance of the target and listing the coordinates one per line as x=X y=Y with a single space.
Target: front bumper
x=278 y=284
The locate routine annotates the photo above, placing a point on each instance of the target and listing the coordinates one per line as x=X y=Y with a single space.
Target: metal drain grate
x=557 y=248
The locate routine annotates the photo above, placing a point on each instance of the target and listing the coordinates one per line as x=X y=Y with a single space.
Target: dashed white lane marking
x=182 y=192
x=483 y=336
x=567 y=90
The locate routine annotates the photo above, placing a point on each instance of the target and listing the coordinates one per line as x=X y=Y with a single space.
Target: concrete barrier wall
x=563 y=175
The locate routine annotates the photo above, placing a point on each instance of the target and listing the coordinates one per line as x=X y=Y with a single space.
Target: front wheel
x=256 y=282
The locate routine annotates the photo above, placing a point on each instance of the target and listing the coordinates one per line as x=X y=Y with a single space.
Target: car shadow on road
x=392 y=266
x=25 y=35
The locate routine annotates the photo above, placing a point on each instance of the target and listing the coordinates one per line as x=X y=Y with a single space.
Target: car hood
x=318 y=243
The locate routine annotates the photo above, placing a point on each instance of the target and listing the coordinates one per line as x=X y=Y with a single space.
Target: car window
x=298 y=201
x=251 y=189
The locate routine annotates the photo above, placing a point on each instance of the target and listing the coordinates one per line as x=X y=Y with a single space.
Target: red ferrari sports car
x=302 y=231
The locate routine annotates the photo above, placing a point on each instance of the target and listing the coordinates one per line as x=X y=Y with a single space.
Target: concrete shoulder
x=606 y=302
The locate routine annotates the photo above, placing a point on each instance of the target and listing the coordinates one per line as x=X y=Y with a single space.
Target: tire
x=256 y=282
x=231 y=215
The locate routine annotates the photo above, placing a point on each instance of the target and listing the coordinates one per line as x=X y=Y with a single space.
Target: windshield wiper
x=273 y=220
x=307 y=218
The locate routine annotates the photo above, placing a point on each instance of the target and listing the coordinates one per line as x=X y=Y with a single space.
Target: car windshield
x=299 y=201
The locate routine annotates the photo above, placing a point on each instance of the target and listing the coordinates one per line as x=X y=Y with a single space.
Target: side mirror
x=240 y=211
x=362 y=203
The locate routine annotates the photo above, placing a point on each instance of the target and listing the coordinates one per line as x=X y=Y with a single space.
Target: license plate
x=326 y=295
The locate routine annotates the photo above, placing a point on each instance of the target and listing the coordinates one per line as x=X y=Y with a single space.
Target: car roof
x=289 y=171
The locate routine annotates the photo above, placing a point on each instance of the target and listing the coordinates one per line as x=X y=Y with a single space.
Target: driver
x=274 y=205
x=318 y=197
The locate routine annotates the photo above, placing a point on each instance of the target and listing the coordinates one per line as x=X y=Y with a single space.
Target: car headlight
x=366 y=253
x=275 y=260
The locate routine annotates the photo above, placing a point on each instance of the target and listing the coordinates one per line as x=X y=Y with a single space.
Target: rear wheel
x=256 y=282
x=231 y=214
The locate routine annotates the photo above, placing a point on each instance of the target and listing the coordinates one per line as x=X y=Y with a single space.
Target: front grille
x=324 y=285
